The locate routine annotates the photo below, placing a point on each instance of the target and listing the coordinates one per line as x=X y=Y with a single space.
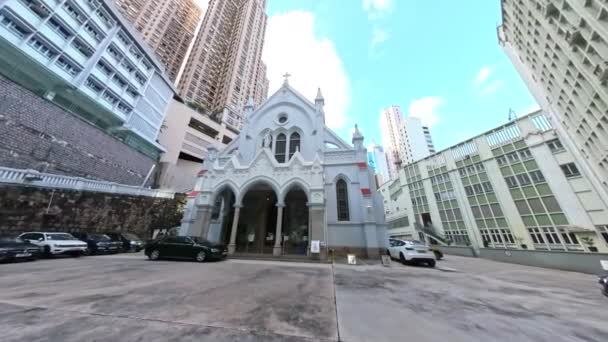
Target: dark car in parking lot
x=15 y=249
x=185 y=247
x=98 y=243
x=129 y=242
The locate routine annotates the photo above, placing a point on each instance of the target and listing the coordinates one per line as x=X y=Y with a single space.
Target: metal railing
x=33 y=177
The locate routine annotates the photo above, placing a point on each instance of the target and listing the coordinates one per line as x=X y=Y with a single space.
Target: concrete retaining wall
x=454 y=250
x=31 y=208
x=567 y=261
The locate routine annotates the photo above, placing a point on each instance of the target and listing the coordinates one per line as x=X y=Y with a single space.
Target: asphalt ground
x=125 y=297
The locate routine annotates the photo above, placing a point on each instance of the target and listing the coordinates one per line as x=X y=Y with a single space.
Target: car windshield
x=102 y=237
x=131 y=236
x=60 y=237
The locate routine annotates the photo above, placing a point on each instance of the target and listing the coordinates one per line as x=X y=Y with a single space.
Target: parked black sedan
x=15 y=249
x=185 y=247
x=98 y=243
x=130 y=242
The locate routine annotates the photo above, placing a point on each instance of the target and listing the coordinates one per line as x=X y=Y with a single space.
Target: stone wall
x=34 y=131
x=24 y=208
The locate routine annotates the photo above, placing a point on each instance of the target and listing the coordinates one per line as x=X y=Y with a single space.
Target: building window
x=570 y=170
x=58 y=27
x=525 y=154
x=294 y=143
x=110 y=98
x=93 y=85
x=104 y=68
x=83 y=49
x=511 y=181
x=73 y=12
x=93 y=32
x=281 y=148
x=119 y=81
x=604 y=232
x=512 y=157
x=523 y=179
x=537 y=176
x=342 y=200
x=140 y=79
x=42 y=48
x=64 y=64
x=555 y=145
x=13 y=27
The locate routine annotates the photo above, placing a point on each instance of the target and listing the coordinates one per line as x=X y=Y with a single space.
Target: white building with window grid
x=560 y=49
x=84 y=57
x=516 y=186
x=285 y=182
x=405 y=139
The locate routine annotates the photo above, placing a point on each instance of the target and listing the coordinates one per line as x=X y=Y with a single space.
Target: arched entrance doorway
x=222 y=216
x=257 y=222
x=295 y=223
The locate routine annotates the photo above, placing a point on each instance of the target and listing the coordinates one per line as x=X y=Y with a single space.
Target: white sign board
x=315 y=246
x=352 y=259
x=604 y=264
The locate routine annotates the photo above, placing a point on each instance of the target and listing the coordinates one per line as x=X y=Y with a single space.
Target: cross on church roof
x=286 y=76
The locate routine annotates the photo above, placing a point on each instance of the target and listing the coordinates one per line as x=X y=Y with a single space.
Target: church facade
x=288 y=185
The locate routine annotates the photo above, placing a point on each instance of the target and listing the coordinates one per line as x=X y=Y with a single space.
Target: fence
x=35 y=178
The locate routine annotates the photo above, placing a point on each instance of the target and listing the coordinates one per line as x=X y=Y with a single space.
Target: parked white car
x=56 y=243
x=411 y=252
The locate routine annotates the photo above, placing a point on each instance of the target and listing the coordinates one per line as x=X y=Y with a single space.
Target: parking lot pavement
x=469 y=300
x=127 y=298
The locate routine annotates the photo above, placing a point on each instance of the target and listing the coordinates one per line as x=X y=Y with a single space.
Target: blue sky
x=439 y=60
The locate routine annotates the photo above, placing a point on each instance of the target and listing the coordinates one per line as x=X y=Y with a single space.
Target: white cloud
x=485 y=83
x=426 y=108
x=491 y=87
x=379 y=36
x=377 y=8
x=483 y=74
x=291 y=46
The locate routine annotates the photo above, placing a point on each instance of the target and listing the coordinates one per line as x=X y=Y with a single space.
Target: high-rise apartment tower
x=168 y=26
x=405 y=140
x=224 y=68
x=560 y=49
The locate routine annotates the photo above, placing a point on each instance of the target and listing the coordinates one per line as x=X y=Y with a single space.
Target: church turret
x=319 y=104
x=358 y=139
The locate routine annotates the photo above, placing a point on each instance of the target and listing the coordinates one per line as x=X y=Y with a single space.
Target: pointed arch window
x=281 y=148
x=294 y=144
x=342 y=200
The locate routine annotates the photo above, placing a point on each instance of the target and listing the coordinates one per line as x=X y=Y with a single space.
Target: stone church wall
x=24 y=208
x=34 y=131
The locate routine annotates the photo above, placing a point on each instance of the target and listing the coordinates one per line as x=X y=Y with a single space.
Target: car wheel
x=201 y=256
x=47 y=252
x=154 y=255
x=402 y=259
x=432 y=263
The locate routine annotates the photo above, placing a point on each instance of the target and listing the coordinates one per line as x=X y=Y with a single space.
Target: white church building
x=288 y=186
